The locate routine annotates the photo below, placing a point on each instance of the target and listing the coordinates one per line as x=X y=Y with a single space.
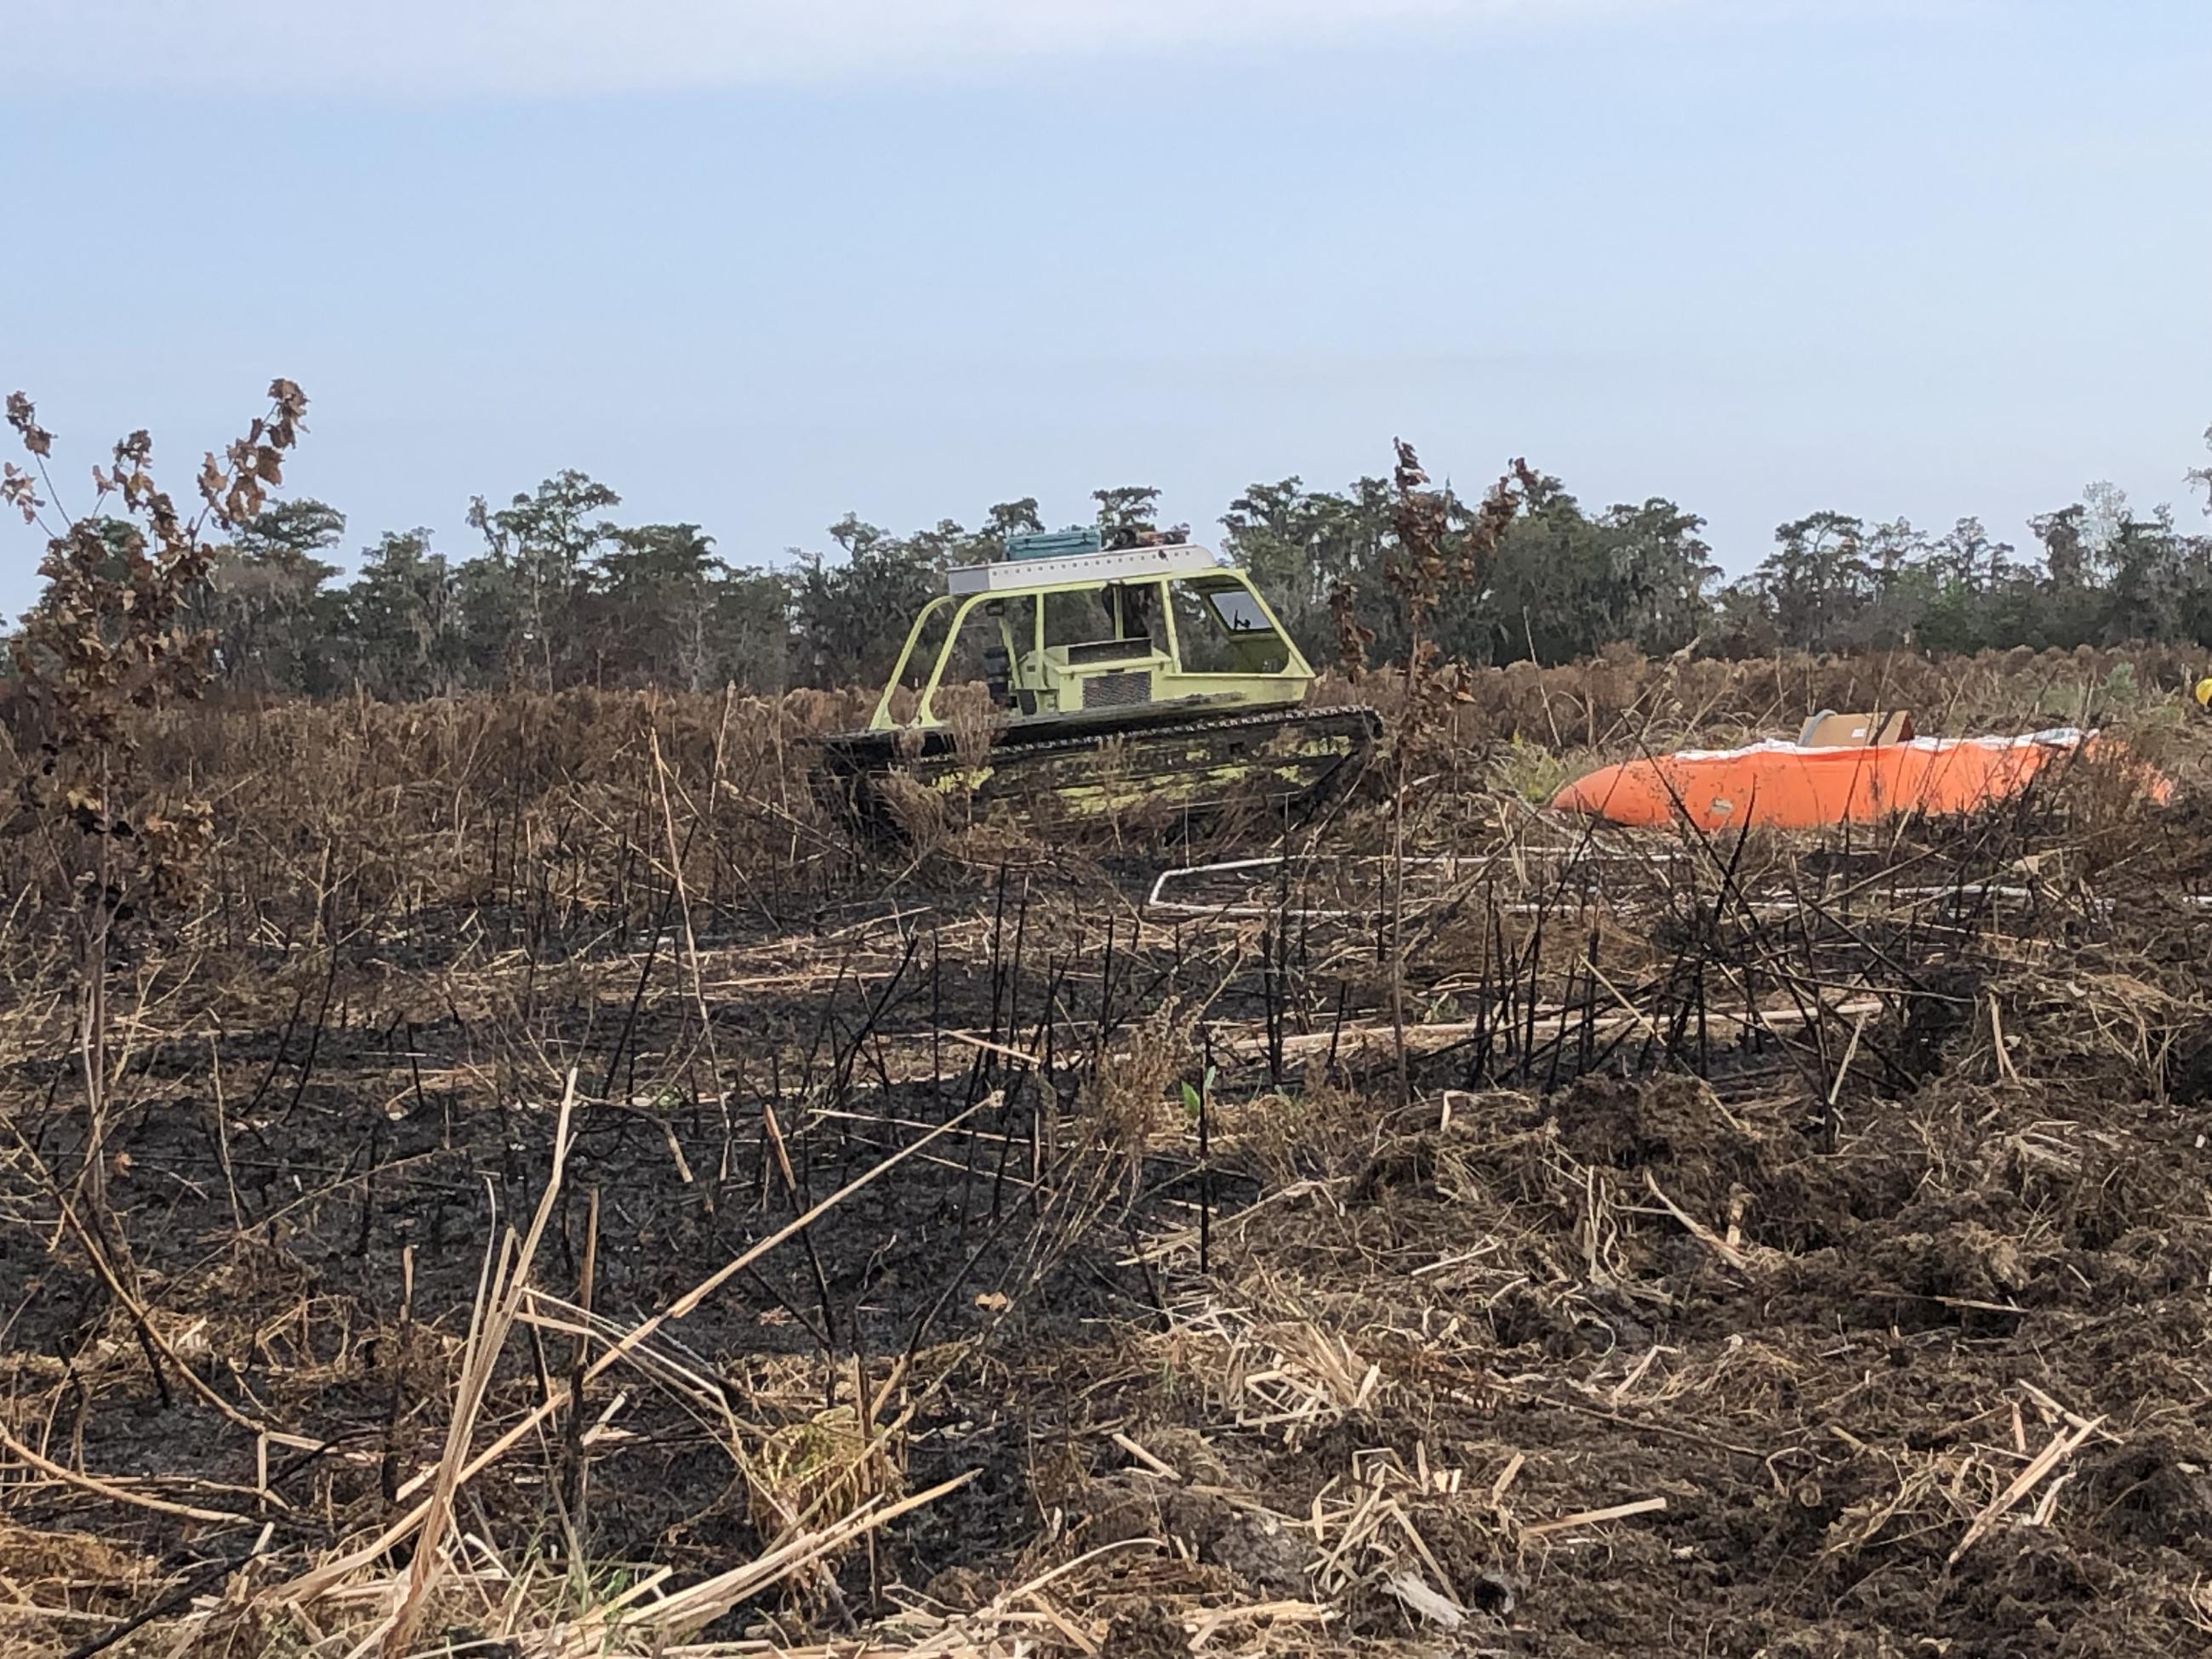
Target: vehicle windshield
x=1238 y=611
x=1222 y=630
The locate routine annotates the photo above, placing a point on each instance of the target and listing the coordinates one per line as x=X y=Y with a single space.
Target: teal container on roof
x=1056 y=543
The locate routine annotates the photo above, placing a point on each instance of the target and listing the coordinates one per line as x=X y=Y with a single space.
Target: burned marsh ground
x=557 y=1195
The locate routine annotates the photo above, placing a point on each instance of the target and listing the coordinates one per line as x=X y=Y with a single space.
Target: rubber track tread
x=1186 y=728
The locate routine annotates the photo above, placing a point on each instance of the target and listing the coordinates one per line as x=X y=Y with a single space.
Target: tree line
x=559 y=593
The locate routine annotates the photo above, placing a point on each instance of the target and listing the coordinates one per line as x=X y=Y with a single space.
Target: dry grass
x=1810 y=1231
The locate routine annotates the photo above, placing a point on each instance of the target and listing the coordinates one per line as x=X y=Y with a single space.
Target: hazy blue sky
x=759 y=262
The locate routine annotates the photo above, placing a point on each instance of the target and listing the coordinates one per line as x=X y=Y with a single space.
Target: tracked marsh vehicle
x=1143 y=679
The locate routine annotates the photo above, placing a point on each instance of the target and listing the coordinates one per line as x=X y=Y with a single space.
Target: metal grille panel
x=1117 y=691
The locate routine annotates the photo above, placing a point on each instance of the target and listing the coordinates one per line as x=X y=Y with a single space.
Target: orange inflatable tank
x=1785 y=785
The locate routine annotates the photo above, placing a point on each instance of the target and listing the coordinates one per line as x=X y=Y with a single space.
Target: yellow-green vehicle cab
x=1127 y=678
x=1133 y=628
